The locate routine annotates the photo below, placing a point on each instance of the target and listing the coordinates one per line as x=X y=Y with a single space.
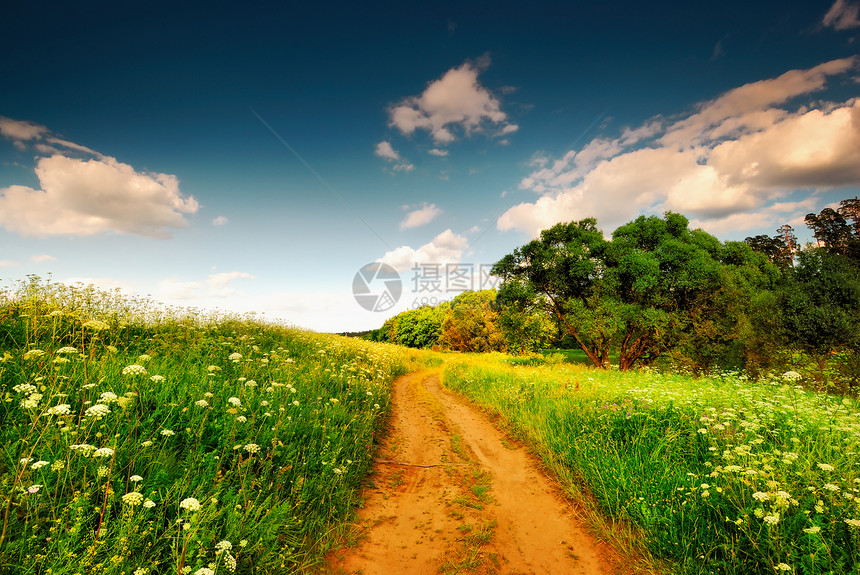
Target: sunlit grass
x=142 y=440
x=723 y=475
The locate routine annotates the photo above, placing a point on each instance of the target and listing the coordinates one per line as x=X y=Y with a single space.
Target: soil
x=450 y=493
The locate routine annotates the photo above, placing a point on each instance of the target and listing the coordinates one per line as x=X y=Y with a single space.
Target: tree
x=472 y=323
x=635 y=295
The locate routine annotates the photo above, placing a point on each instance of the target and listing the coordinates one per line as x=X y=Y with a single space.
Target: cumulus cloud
x=385 y=151
x=421 y=216
x=843 y=15
x=43 y=258
x=446 y=248
x=215 y=286
x=731 y=158
x=220 y=221
x=87 y=195
x=438 y=152
x=456 y=104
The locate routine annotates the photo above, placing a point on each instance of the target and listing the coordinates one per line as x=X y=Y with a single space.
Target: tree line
x=658 y=292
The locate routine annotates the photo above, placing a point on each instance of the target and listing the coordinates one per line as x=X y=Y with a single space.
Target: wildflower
x=96 y=325
x=111 y=349
x=67 y=349
x=190 y=504
x=791 y=376
x=107 y=398
x=144 y=357
x=149 y=503
x=213 y=368
x=252 y=448
x=334 y=400
x=230 y=562
x=296 y=402
x=34 y=353
x=204 y=571
x=201 y=403
x=103 y=452
x=62 y=409
x=37 y=486
x=39 y=464
x=264 y=403
x=235 y=401
x=831 y=487
x=167 y=432
x=241 y=419
x=102 y=471
x=32 y=402
x=853 y=522
x=235 y=357
x=825 y=467
x=133 y=498
x=146 y=443
x=250 y=383
x=772 y=519
x=812 y=530
x=58 y=465
x=223 y=546
x=243 y=543
x=84 y=448
x=157 y=378
x=24 y=388
x=141 y=571
x=134 y=369
x=135 y=478
x=97 y=411
x=783 y=567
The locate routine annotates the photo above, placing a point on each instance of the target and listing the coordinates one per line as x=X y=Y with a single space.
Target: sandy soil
x=451 y=494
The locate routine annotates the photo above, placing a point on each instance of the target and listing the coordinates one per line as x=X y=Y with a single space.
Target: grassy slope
x=268 y=429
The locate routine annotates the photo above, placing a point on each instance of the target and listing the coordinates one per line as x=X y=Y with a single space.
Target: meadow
x=138 y=440
x=715 y=475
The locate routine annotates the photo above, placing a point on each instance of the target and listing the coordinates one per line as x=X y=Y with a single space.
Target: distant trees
x=660 y=291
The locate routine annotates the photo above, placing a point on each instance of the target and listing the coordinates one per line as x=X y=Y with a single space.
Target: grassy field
x=720 y=474
x=140 y=441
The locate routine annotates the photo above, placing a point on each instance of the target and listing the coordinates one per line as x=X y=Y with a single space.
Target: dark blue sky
x=511 y=118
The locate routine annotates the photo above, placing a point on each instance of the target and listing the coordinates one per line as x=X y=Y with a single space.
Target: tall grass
x=723 y=475
x=142 y=440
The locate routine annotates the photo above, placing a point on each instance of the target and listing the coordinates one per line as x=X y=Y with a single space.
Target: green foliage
x=472 y=323
x=657 y=287
x=115 y=412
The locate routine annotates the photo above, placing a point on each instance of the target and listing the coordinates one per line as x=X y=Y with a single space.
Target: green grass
x=721 y=474
x=141 y=440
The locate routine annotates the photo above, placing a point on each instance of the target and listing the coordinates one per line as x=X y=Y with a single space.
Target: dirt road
x=451 y=494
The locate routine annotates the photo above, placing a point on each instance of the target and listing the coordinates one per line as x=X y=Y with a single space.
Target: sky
x=261 y=157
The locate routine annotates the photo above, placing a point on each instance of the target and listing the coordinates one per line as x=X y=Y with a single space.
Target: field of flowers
x=142 y=441
x=722 y=475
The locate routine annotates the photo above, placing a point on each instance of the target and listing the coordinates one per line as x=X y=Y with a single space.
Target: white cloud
x=86 y=197
x=215 y=286
x=220 y=221
x=43 y=258
x=732 y=157
x=8 y=263
x=20 y=132
x=79 y=196
x=438 y=152
x=386 y=151
x=843 y=15
x=421 y=216
x=445 y=248
x=454 y=104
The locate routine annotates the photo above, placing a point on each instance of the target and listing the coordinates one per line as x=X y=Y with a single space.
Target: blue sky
x=255 y=157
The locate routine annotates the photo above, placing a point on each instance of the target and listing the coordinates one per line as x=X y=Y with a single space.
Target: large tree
x=639 y=295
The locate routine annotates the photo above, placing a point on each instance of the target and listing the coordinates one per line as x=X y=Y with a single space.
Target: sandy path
x=451 y=494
